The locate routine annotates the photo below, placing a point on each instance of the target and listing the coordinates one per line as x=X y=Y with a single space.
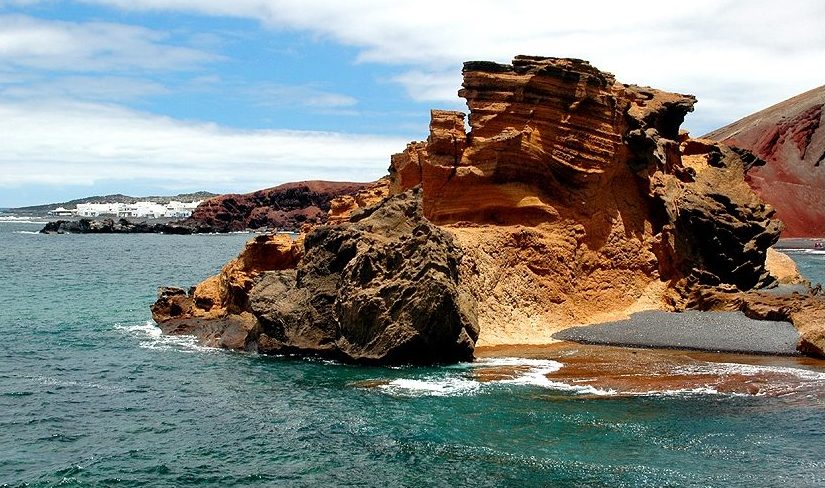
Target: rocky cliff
x=576 y=200
x=573 y=199
x=789 y=140
x=286 y=207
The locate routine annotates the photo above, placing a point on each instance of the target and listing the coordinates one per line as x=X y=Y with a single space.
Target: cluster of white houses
x=143 y=210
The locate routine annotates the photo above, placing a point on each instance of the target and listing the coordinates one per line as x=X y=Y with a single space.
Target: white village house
x=143 y=210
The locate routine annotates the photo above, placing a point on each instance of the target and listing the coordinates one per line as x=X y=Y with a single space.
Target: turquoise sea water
x=91 y=395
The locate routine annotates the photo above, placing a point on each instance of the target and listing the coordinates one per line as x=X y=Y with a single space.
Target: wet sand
x=705 y=331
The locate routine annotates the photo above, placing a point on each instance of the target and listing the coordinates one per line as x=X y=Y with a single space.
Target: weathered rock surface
x=284 y=207
x=572 y=200
x=783 y=268
x=217 y=309
x=383 y=287
x=576 y=200
x=789 y=140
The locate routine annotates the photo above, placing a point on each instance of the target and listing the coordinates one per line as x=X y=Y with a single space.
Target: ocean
x=92 y=395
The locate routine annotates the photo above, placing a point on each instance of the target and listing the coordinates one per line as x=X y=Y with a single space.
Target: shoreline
x=730 y=332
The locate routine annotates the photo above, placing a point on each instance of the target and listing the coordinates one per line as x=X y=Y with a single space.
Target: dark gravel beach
x=704 y=331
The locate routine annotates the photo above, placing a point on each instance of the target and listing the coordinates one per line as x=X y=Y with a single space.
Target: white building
x=141 y=210
x=61 y=212
x=97 y=209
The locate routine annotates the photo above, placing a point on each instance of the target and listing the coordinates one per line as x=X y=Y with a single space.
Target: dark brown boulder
x=381 y=289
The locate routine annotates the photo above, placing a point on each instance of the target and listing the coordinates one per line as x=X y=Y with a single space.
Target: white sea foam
x=527 y=372
x=30 y=232
x=804 y=251
x=151 y=337
x=750 y=370
x=548 y=364
x=450 y=386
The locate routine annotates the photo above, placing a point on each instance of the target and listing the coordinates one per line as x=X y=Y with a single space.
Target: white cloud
x=100 y=88
x=27 y=42
x=85 y=143
x=277 y=95
x=741 y=54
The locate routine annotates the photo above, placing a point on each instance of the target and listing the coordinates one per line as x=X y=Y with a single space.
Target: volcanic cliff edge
x=572 y=200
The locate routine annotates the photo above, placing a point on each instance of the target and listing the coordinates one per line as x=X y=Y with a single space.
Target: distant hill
x=36 y=210
x=790 y=138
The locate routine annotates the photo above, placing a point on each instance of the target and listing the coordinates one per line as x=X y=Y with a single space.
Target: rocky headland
x=574 y=199
x=788 y=140
x=286 y=207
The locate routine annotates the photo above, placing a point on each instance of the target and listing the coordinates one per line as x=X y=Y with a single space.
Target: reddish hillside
x=790 y=138
x=286 y=206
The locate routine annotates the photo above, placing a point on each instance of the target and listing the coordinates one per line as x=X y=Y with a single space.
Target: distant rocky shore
x=286 y=207
x=115 y=226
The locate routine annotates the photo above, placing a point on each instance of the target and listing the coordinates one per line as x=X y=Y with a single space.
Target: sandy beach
x=704 y=331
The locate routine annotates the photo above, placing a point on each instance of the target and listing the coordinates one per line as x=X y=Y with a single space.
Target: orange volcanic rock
x=223 y=299
x=342 y=208
x=573 y=199
x=789 y=138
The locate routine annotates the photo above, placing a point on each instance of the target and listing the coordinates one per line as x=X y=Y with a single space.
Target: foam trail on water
x=151 y=337
x=431 y=387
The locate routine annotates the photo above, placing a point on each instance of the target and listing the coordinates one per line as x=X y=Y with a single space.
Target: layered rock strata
x=789 y=172
x=573 y=199
x=577 y=201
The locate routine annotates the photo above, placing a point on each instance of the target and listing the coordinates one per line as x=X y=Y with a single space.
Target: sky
x=150 y=97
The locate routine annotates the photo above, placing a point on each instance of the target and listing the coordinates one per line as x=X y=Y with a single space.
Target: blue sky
x=162 y=96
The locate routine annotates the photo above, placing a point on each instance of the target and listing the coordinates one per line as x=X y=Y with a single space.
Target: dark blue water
x=91 y=395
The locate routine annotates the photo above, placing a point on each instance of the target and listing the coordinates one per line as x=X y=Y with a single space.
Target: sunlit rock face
x=572 y=199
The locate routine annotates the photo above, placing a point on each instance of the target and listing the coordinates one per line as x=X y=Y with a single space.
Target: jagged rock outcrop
x=217 y=309
x=381 y=288
x=285 y=207
x=575 y=198
x=572 y=200
x=789 y=171
x=342 y=208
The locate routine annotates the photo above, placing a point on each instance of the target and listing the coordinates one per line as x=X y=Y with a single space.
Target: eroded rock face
x=717 y=230
x=575 y=198
x=286 y=207
x=217 y=310
x=572 y=200
x=381 y=288
x=789 y=140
